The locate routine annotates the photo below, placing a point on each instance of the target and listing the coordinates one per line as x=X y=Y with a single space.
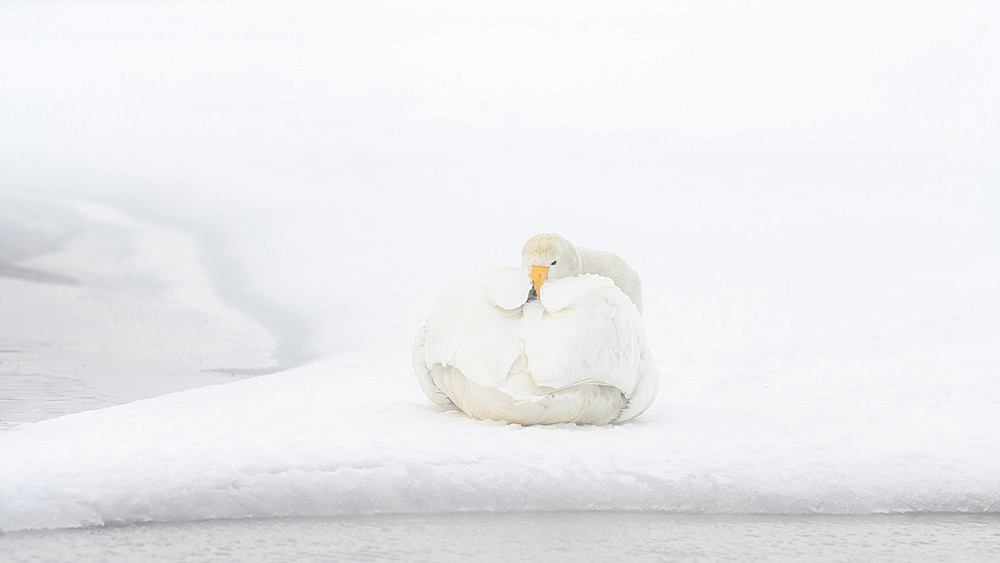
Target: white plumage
x=578 y=353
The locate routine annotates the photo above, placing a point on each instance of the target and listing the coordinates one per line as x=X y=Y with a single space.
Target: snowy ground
x=192 y=194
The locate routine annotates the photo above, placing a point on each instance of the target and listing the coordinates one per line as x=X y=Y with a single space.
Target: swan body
x=576 y=353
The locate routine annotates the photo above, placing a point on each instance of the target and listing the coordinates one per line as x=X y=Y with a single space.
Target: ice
x=809 y=196
x=112 y=307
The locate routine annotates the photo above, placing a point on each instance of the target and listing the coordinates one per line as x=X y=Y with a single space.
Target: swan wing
x=584 y=330
x=474 y=327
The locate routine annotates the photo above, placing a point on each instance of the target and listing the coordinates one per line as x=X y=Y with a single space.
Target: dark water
x=594 y=536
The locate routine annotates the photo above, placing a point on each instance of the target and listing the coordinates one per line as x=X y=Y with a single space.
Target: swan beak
x=538 y=276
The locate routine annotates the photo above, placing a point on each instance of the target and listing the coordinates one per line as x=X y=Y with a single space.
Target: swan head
x=549 y=256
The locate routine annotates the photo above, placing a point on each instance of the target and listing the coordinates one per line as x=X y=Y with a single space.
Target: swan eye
x=553 y=263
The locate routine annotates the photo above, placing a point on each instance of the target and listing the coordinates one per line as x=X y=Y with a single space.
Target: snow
x=355 y=436
x=808 y=194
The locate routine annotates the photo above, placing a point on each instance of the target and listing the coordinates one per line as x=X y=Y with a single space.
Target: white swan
x=577 y=353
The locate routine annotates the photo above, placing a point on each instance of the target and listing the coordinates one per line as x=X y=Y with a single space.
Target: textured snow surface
x=354 y=435
x=809 y=194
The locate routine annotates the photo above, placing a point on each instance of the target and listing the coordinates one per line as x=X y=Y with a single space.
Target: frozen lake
x=220 y=228
x=591 y=536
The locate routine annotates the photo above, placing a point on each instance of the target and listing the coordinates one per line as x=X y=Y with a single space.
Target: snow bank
x=354 y=435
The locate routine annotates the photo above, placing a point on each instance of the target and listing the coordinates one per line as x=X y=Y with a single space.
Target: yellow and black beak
x=538 y=276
